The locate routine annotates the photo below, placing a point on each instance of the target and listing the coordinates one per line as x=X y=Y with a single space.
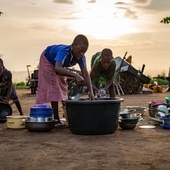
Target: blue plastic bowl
x=41 y=110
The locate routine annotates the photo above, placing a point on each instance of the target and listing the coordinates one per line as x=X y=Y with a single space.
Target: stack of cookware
x=40 y=119
x=127 y=120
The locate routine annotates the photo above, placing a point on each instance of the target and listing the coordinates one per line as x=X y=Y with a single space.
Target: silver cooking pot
x=40 y=126
x=39 y=119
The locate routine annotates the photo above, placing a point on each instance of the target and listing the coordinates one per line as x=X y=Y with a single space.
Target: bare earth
x=137 y=149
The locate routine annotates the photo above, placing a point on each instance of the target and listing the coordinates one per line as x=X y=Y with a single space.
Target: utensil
x=76 y=92
x=133 y=120
x=139 y=109
x=126 y=113
x=127 y=125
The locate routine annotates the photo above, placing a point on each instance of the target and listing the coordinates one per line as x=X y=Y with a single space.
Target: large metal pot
x=5 y=110
x=16 y=122
x=40 y=126
x=98 y=116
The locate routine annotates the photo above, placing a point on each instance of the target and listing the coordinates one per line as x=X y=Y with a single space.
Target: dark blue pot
x=41 y=110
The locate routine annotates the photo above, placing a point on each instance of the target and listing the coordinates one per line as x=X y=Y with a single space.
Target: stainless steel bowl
x=127 y=125
x=40 y=126
x=39 y=119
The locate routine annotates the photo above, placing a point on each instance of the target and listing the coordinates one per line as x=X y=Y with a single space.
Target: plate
x=147 y=127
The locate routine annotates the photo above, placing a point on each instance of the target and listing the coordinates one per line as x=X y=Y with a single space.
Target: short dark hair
x=81 y=39
x=107 y=52
x=1 y=62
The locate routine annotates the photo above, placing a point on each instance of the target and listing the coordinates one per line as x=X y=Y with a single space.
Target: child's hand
x=79 y=79
x=101 y=93
x=91 y=96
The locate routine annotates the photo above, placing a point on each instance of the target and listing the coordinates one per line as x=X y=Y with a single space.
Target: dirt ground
x=137 y=149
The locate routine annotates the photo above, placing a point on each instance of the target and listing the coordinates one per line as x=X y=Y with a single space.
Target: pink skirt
x=51 y=86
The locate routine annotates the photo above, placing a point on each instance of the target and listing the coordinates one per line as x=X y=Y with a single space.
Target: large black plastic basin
x=95 y=117
x=5 y=110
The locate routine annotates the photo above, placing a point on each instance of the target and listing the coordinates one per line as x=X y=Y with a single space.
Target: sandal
x=60 y=125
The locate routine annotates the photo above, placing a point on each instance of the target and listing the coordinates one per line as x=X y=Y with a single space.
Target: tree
x=165 y=20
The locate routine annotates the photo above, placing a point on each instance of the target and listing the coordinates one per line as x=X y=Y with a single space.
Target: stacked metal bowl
x=40 y=119
x=127 y=120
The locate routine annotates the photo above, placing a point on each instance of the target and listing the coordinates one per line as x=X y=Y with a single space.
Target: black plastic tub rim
x=96 y=101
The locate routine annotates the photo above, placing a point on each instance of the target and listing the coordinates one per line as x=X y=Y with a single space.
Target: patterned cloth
x=101 y=77
x=5 y=79
x=51 y=86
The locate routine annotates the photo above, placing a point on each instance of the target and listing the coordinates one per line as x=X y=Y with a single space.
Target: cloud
x=131 y=14
x=39 y=26
x=63 y=1
x=127 y=7
x=91 y=1
x=155 y=5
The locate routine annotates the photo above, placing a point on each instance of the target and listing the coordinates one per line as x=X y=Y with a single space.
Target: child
x=54 y=60
x=102 y=72
x=7 y=90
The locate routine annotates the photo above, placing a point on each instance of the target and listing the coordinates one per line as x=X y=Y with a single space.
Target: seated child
x=7 y=90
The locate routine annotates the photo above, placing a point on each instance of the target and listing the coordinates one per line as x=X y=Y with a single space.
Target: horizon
x=21 y=76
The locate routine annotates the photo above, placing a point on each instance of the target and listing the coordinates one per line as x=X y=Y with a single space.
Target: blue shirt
x=62 y=53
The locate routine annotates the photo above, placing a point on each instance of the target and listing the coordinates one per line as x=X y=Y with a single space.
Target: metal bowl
x=139 y=109
x=39 y=119
x=127 y=113
x=131 y=120
x=40 y=126
x=127 y=125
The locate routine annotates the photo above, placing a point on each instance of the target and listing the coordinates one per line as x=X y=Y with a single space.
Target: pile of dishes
x=40 y=119
x=157 y=109
x=127 y=120
x=139 y=110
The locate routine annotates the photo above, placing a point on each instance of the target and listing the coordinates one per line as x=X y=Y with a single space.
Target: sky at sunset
x=28 y=26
